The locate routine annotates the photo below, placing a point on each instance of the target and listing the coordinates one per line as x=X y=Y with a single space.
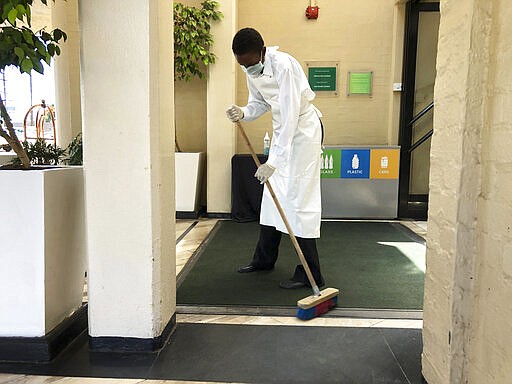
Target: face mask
x=254 y=70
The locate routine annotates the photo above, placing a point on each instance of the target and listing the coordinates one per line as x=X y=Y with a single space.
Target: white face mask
x=254 y=70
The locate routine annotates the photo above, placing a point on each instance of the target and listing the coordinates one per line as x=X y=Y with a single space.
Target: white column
x=456 y=174
x=221 y=132
x=67 y=73
x=127 y=80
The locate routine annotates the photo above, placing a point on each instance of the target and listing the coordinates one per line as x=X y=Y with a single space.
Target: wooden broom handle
x=281 y=212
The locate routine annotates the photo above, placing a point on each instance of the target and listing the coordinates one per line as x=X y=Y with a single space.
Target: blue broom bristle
x=317 y=310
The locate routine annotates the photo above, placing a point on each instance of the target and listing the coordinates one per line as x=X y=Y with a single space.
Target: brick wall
x=468 y=284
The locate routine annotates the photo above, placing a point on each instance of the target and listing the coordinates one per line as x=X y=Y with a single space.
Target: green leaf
x=47 y=58
x=27 y=35
x=46 y=36
x=20 y=53
x=26 y=66
x=21 y=11
x=38 y=66
x=29 y=15
x=57 y=34
x=41 y=49
x=12 y=15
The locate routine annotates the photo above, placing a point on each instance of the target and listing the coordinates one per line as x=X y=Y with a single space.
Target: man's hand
x=264 y=172
x=234 y=113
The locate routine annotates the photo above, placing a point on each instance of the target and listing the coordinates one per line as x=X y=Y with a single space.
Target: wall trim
x=132 y=344
x=191 y=214
x=218 y=215
x=45 y=348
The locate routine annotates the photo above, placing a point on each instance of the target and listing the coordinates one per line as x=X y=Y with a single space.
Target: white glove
x=264 y=172
x=234 y=113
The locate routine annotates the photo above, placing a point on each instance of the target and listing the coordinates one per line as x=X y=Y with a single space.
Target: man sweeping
x=277 y=83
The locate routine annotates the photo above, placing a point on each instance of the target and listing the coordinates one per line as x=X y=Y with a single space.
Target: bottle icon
x=321 y=161
x=355 y=161
x=384 y=162
x=331 y=162
x=266 y=144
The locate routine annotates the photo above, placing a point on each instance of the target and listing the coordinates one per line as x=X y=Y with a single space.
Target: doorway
x=417 y=107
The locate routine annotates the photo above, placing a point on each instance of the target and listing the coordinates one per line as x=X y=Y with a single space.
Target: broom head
x=313 y=306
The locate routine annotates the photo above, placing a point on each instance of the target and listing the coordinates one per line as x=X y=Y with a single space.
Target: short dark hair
x=247 y=40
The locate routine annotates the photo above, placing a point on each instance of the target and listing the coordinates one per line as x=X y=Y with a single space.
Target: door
x=417 y=107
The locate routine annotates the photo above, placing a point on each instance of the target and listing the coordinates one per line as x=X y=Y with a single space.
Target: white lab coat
x=296 y=143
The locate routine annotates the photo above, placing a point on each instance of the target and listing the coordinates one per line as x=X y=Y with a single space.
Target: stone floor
x=189 y=235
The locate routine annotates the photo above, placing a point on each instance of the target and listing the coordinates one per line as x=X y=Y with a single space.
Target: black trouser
x=267 y=251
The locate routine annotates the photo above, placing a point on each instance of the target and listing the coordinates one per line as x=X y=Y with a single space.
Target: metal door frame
x=407 y=208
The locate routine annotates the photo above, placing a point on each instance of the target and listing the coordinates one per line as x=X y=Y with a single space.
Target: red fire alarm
x=312 y=12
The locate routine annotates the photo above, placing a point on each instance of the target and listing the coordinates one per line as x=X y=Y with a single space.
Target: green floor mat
x=375 y=265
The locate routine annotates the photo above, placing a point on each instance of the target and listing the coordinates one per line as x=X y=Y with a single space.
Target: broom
x=321 y=301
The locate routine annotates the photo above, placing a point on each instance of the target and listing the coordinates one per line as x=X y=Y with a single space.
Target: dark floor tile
x=279 y=354
x=76 y=360
x=406 y=345
x=253 y=354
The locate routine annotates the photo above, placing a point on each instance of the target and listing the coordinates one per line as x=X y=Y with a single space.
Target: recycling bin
x=360 y=182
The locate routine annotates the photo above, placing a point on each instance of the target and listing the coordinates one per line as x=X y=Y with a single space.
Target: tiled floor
x=189 y=236
x=418 y=227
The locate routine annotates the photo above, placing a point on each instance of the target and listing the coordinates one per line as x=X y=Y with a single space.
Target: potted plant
x=43 y=247
x=192 y=54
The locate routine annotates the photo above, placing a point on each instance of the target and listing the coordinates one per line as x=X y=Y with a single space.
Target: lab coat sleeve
x=256 y=106
x=289 y=102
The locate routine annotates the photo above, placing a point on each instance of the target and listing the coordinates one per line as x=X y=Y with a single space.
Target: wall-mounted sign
x=330 y=164
x=322 y=78
x=360 y=83
x=384 y=163
x=355 y=163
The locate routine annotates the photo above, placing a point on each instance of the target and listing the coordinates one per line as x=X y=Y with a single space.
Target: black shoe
x=247 y=269
x=291 y=284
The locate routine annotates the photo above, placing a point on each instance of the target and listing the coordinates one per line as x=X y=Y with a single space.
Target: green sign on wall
x=360 y=83
x=322 y=78
x=330 y=167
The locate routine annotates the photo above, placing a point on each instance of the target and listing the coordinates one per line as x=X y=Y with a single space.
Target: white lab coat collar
x=267 y=65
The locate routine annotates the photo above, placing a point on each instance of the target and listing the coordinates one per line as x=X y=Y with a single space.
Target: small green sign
x=360 y=83
x=322 y=78
x=330 y=164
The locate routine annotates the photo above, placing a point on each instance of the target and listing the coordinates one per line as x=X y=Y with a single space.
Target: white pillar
x=127 y=80
x=67 y=73
x=456 y=174
x=221 y=134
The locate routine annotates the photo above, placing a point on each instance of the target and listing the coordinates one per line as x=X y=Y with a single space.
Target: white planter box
x=7 y=157
x=42 y=242
x=189 y=178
